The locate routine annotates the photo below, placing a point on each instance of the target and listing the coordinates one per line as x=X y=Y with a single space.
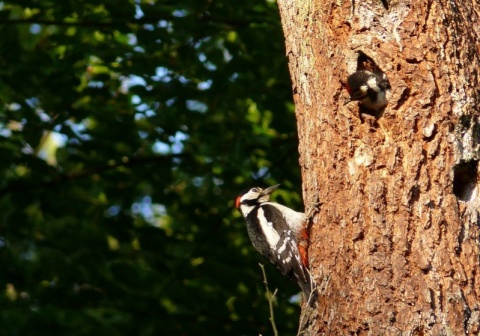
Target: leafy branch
x=112 y=23
x=69 y=176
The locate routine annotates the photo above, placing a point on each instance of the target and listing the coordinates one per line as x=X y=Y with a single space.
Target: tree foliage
x=127 y=130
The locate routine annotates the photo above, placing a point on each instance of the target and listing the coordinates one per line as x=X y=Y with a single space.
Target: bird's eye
x=254 y=189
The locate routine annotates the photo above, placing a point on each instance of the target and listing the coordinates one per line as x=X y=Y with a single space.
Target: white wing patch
x=282 y=248
x=296 y=220
x=288 y=246
x=268 y=230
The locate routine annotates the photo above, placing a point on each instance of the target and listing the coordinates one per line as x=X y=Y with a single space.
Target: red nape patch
x=237 y=202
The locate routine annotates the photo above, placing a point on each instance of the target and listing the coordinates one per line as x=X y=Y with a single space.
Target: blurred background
x=127 y=129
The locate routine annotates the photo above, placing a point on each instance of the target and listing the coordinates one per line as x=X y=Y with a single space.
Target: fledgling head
x=371 y=89
x=253 y=196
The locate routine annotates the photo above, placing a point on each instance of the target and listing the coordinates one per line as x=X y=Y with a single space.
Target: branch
x=270 y=297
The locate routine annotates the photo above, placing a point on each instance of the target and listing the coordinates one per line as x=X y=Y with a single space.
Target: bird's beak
x=269 y=190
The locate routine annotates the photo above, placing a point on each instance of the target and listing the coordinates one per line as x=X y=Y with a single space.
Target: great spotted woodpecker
x=278 y=233
x=371 y=89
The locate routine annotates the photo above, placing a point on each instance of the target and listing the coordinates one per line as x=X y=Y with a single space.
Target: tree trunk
x=395 y=246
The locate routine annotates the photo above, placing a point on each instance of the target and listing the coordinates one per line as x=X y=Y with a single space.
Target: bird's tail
x=308 y=288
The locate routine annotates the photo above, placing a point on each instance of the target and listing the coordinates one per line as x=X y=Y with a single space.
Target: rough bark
x=395 y=247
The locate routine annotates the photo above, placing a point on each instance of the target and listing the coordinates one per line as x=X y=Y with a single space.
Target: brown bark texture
x=395 y=245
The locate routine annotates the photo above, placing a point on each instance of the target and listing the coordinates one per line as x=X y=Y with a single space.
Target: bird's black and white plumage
x=275 y=231
x=371 y=89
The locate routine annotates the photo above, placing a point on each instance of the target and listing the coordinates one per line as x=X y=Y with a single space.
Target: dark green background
x=165 y=111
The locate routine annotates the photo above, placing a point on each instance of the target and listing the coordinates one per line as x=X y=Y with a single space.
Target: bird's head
x=254 y=196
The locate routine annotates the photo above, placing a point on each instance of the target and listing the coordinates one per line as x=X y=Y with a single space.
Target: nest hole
x=465 y=180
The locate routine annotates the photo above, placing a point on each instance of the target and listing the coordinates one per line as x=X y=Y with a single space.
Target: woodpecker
x=371 y=89
x=278 y=233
